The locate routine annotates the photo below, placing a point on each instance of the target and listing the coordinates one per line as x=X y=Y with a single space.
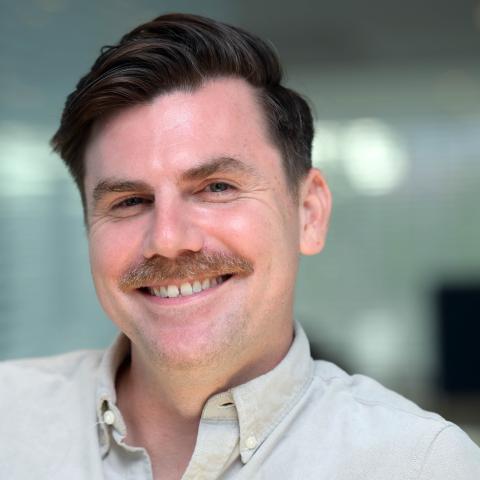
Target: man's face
x=185 y=192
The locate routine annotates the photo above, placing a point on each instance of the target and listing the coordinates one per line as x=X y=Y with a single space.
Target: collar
x=264 y=401
x=258 y=405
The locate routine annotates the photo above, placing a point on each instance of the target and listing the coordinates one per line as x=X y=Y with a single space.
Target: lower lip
x=182 y=300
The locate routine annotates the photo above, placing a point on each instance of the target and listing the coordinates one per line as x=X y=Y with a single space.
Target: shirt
x=303 y=420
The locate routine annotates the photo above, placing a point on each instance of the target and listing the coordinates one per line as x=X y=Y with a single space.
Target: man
x=193 y=164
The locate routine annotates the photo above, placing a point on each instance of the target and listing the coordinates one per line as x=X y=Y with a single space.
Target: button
x=109 y=417
x=251 y=442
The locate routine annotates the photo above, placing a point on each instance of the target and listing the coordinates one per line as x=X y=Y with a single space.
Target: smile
x=185 y=288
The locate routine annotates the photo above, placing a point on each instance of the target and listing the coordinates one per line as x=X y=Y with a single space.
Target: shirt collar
x=264 y=401
x=259 y=405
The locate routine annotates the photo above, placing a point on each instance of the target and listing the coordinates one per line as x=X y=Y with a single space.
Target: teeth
x=186 y=288
x=172 y=291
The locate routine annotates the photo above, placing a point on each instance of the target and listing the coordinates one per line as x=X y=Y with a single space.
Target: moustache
x=158 y=269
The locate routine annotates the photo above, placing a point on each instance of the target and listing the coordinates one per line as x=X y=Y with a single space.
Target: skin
x=195 y=172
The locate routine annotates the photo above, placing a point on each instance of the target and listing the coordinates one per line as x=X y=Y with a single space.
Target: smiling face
x=194 y=235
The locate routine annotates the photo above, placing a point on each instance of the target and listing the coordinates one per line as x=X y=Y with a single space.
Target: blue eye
x=218 y=187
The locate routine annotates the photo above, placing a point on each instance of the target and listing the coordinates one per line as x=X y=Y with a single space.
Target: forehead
x=178 y=130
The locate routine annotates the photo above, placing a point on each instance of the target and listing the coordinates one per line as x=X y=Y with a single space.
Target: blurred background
x=396 y=91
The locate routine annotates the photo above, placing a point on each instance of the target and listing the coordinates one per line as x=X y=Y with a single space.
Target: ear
x=315 y=202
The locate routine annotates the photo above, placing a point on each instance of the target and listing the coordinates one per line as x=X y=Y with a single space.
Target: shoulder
x=47 y=410
x=49 y=380
x=47 y=370
x=381 y=424
x=368 y=395
x=55 y=363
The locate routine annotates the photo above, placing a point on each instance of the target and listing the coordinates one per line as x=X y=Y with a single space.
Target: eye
x=132 y=202
x=218 y=187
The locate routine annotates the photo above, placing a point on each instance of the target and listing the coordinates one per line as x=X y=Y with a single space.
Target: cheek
x=235 y=226
x=255 y=231
x=112 y=250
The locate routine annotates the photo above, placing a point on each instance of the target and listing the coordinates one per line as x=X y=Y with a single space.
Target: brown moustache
x=158 y=269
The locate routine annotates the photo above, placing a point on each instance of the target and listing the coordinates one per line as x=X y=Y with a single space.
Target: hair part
x=181 y=52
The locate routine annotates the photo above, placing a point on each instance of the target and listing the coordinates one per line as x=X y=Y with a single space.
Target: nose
x=172 y=230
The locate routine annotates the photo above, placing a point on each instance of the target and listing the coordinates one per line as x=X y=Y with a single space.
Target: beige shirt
x=302 y=420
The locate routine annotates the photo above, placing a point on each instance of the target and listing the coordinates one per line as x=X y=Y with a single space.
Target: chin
x=191 y=346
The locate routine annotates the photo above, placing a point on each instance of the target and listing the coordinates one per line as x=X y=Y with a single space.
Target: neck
x=152 y=395
x=180 y=394
x=162 y=417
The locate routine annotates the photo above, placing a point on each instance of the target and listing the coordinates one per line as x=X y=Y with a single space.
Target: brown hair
x=180 y=51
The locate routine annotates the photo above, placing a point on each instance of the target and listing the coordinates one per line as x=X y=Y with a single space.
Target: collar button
x=109 y=417
x=251 y=442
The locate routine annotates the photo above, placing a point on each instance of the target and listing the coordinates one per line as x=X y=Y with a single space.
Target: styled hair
x=181 y=52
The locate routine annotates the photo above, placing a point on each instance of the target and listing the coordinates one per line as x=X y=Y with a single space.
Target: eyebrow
x=217 y=165
x=107 y=186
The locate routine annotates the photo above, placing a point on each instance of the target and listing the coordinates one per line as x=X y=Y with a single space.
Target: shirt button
x=251 y=442
x=109 y=417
